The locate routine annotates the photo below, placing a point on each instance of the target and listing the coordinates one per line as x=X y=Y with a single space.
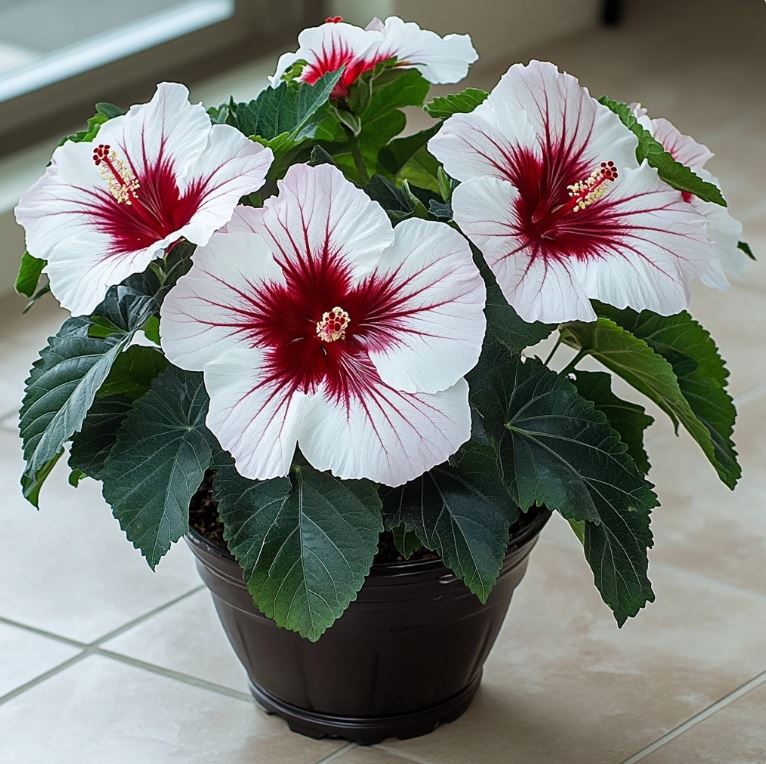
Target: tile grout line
x=693 y=721
x=178 y=676
x=404 y=757
x=336 y=754
x=43 y=633
x=40 y=678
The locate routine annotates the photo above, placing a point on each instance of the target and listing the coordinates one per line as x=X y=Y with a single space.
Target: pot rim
x=540 y=516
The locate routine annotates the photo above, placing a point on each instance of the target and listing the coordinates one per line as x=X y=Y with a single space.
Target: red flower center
x=561 y=211
x=140 y=206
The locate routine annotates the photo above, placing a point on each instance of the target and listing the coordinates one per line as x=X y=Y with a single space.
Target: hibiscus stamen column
x=122 y=183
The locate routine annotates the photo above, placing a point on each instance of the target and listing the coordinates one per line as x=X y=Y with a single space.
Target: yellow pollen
x=333 y=325
x=120 y=180
x=591 y=189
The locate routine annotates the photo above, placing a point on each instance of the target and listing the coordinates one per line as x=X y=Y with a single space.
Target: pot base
x=366 y=730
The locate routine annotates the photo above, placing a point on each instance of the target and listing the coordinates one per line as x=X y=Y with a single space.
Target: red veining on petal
x=142 y=202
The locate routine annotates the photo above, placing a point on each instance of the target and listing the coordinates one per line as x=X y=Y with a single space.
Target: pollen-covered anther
x=122 y=183
x=333 y=325
x=591 y=189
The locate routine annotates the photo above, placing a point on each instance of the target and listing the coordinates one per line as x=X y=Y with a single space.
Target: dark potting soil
x=203 y=517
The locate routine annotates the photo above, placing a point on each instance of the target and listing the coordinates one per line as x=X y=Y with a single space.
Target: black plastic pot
x=405 y=657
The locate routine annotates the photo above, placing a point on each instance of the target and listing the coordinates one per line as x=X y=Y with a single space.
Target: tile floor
x=103 y=662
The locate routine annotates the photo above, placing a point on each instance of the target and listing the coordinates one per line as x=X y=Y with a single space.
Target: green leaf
x=286 y=109
x=104 y=112
x=305 y=545
x=462 y=511
x=674 y=362
x=505 y=327
x=392 y=199
x=456 y=103
x=676 y=174
x=59 y=391
x=91 y=446
x=745 y=247
x=628 y=419
x=31 y=484
x=158 y=461
x=406 y=542
x=28 y=277
x=132 y=373
x=557 y=450
x=400 y=152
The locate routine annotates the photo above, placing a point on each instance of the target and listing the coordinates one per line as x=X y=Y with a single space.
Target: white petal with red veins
x=231 y=167
x=563 y=113
x=538 y=290
x=385 y=435
x=327 y=47
x=168 y=128
x=254 y=419
x=431 y=328
x=483 y=142
x=440 y=60
x=207 y=312
x=320 y=215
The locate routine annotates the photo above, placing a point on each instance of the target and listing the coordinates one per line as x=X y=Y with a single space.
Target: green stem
x=356 y=152
x=571 y=365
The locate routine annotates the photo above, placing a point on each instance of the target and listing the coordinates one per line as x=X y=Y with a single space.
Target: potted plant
x=303 y=341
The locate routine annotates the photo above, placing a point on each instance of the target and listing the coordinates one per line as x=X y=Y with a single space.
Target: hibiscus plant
x=332 y=320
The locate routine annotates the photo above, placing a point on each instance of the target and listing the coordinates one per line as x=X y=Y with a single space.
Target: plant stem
x=356 y=152
x=553 y=350
x=571 y=365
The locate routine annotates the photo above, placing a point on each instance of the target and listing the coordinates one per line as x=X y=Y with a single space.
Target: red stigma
x=333 y=19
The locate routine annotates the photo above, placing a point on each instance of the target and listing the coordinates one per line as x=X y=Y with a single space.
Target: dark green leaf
x=59 y=391
x=133 y=372
x=400 y=151
x=320 y=156
x=456 y=103
x=305 y=546
x=676 y=174
x=91 y=446
x=406 y=542
x=441 y=210
x=745 y=247
x=28 y=277
x=286 y=109
x=461 y=511
x=389 y=197
x=504 y=326
x=158 y=461
x=557 y=450
x=628 y=419
x=674 y=362
x=31 y=484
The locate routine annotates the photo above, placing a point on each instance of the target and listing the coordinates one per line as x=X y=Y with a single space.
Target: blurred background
x=103 y=661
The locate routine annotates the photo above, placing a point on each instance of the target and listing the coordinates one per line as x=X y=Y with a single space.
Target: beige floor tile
x=70 y=569
x=103 y=712
x=187 y=637
x=702 y=526
x=21 y=339
x=24 y=655
x=734 y=735
x=565 y=685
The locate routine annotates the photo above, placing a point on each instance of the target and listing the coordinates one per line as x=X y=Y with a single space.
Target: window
x=58 y=58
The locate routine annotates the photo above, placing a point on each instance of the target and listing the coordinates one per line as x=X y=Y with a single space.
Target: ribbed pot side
x=406 y=656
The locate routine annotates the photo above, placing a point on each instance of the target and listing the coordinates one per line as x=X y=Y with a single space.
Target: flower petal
x=255 y=419
x=167 y=129
x=484 y=142
x=683 y=148
x=440 y=60
x=320 y=216
x=231 y=167
x=327 y=48
x=210 y=309
x=730 y=263
x=537 y=289
x=429 y=326
x=383 y=434
x=568 y=121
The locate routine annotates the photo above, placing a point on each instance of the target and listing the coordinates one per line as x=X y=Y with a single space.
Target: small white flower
x=336 y=44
